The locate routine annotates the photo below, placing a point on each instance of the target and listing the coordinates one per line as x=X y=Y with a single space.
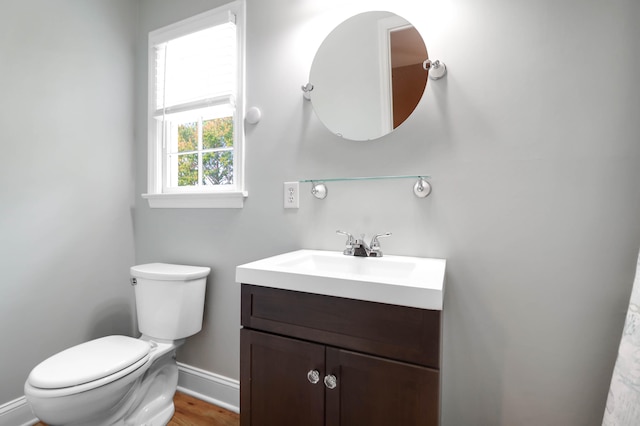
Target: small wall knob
x=253 y=115
x=313 y=376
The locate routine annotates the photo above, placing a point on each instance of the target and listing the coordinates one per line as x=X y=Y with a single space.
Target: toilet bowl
x=120 y=380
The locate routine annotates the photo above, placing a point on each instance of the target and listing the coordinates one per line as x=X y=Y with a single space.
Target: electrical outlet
x=291 y=195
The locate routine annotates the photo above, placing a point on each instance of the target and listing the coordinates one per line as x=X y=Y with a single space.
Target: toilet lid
x=88 y=361
x=169 y=272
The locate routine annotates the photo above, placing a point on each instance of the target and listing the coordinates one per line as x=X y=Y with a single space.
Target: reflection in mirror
x=367 y=75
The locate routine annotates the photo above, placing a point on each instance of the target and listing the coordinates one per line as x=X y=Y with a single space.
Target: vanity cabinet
x=309 y=359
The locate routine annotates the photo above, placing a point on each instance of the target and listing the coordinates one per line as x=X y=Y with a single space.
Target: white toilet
x=120 y=380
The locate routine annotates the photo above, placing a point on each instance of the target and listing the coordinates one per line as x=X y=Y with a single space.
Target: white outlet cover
x=291 y=195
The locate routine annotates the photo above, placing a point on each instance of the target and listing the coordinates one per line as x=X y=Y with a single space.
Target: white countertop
x=399 y=280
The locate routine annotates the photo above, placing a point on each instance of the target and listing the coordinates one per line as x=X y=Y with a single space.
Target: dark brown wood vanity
x=309 y=359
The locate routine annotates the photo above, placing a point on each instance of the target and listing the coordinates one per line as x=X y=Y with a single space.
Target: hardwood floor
x=191 y=411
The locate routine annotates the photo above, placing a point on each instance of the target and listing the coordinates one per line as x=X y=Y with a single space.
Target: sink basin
x=398 y=280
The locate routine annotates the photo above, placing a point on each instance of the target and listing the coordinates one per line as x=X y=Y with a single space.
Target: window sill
x=218 y=200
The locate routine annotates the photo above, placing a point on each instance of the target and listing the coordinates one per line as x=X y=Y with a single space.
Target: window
x=195 y=104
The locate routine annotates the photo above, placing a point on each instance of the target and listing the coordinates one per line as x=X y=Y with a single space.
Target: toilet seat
x=89 y=365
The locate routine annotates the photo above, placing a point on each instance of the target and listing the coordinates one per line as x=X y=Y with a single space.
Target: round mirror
x=368 y=76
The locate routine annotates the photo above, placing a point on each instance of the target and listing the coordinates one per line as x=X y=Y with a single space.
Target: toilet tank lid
x=169 y=272
x=88 y=361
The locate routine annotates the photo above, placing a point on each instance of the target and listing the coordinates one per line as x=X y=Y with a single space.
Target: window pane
x=188 y=137
x=217 y=133
x=188 y=170
x=217 y=168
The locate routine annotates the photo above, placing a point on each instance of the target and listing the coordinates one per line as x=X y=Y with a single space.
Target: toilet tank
x=169 y=299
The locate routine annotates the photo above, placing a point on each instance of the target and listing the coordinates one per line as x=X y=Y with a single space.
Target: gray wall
x=66 y=233
x=532 y=142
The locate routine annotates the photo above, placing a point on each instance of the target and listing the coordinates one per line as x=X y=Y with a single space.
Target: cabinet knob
x=330 y=381
x=313 y=376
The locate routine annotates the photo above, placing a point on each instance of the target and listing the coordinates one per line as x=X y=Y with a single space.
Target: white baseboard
x=210 y=387
x=17 y=413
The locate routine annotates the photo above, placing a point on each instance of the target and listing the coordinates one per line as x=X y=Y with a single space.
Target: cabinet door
x=376 y=391
x=274 y=387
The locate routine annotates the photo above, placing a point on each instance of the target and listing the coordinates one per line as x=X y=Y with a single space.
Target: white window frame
x=222 y=196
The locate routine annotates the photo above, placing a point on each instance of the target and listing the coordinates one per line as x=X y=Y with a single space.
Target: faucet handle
x=348 y=235
x=375 y=244
x=349 y=244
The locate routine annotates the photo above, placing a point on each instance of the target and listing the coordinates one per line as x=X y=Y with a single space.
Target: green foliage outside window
x=217 y=152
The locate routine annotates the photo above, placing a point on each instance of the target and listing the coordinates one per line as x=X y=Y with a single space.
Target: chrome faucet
x=358 y=246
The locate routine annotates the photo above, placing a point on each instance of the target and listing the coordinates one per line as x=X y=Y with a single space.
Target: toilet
x=119 y=380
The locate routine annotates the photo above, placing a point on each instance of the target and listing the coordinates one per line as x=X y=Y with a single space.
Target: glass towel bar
x=421 y=188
